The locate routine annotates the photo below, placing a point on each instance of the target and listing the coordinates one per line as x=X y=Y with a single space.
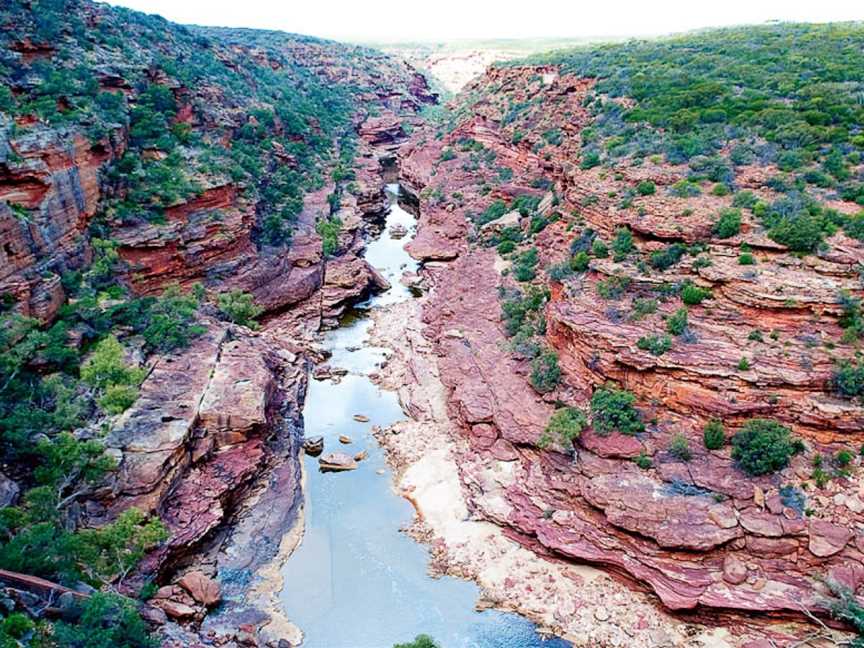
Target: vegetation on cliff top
x=149 y=77
x=783 y=95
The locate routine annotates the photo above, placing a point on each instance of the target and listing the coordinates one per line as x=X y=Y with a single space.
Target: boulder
x=202 y=588
x=177 y=610
x=827 y=539
x=734 y=570
x=9 y=491
x=314 y=446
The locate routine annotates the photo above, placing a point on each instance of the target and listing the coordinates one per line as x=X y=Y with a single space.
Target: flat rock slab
x=336 y=462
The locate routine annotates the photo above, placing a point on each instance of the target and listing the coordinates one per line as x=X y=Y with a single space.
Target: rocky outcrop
x=701 y=534
x=49 y=192
x=197 y=435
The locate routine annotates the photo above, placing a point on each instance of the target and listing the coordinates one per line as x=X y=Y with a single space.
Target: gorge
x=291 y=353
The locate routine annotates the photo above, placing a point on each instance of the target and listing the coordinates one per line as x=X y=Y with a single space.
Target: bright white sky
x=440 y=20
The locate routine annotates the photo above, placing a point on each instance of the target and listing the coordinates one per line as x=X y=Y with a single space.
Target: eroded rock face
x=55 y=177
x=700 y=534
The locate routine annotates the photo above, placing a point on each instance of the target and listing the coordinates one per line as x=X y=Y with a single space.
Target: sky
x=445 y=20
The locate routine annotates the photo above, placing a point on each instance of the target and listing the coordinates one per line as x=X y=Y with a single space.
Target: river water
x=355 y=581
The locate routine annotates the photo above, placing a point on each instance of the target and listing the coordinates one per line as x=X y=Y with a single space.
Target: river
x=356 y=581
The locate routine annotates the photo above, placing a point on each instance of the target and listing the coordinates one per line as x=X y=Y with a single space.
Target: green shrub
x=852 y=319
x=643 y=460
x=667 y=257
x=622 y=244
x=646 y=188
x=505 y=247
x=566 y=424
x=166 y=323
x=239 y=307
x=714 y=435
x=613 y=409
x=106 y=366
x=523 y=311
x=655 y=344
x=745 y=258
x=642 y=308
x=16 y=625
x=848 y=379
x=679 y=447
x=728 y=224
x=524 y=267
x=328 y=229
x=762 y=446
x=847 y=609
x=447 y=153
x=599 y=249
x=613 y=287
x=745 y=200
x=803 y=233
x=843 y=458
x=579 y=262
x=545 y=372
x=743 y=364
x=107 y=372
x=720 y=189
x=118 y=398
x=590 y=160
x=693 y=295
x=685 y=189
x=677 y=322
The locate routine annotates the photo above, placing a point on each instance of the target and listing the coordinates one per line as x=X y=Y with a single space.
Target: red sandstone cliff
x=700 y=534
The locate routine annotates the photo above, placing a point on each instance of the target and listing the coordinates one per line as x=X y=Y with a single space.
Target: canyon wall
x=697 y=531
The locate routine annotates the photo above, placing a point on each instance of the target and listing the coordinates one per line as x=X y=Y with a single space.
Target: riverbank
x=580 y=603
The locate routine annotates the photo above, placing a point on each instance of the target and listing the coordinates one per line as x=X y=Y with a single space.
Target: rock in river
x=314 y=446
x=336 y=461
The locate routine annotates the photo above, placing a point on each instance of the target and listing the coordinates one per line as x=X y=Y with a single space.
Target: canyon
x=606 y=536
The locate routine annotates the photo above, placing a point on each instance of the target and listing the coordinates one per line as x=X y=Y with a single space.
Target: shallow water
x=355 y=581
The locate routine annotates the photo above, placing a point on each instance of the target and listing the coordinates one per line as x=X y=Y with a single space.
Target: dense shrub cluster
x=655 y=344
x=763 y=446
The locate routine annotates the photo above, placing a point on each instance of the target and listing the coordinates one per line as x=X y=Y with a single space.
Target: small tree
x=420 y=641
x=646 y=188
x=728 y=225
x=692 y=294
